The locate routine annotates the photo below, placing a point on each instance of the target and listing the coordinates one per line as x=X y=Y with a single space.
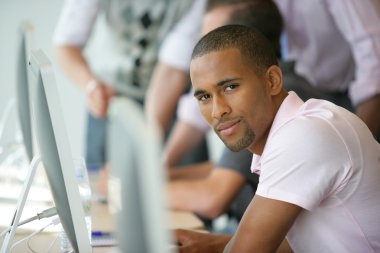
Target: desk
x=101 y=220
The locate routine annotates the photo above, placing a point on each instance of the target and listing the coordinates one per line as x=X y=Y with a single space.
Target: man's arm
x=183 y=138
x=264 y=226
x=192 y=171
x=209 y=197
x=74 y=65
x=167 y=85
x=171 y=77
x=195 y=242
x=364 y=40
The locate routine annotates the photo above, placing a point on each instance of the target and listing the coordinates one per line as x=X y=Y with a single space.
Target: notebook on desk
x=103 y=239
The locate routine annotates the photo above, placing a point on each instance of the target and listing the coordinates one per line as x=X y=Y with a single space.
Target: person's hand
x=195 y=242
x=98 y=97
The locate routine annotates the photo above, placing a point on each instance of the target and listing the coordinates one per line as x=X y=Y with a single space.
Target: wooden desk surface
x=101 y=220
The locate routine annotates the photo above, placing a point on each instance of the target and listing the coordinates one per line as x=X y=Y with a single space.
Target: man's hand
x=98 y=98
x=195 y=242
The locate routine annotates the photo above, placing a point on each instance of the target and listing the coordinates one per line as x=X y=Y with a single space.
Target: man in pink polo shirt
x=319 y=164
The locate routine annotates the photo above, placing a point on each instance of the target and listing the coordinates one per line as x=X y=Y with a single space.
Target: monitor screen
x=136 y=182
x=55 y=153
x=25 y=45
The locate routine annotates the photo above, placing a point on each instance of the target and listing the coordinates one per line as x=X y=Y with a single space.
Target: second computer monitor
x=136 y=183
x=54 y=148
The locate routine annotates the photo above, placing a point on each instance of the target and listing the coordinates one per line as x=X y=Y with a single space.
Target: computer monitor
x=25 y=45
x=55 y=153
x=136 y=181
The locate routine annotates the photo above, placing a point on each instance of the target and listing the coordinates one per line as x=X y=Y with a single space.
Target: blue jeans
x=96 y=141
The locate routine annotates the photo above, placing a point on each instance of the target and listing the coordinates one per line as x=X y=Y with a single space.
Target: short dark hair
x=253 y=46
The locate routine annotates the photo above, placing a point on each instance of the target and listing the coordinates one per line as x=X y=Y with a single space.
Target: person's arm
x=167 y=85
x=71 y=34
x=193 y=242
x=209 y=197
x=264 y=226
x=192 y=171
x=183 y=138
x=74 y=65
x=187 y=133
x=364 y=39
x=73 y=30
x=369 y=112
x=171 y=75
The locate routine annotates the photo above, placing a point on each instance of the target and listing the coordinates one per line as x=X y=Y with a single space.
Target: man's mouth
x=227 y=128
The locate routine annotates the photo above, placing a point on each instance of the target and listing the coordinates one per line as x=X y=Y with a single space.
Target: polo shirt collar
x=289 y=108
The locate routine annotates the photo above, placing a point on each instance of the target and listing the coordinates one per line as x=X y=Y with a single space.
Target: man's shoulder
x=316 y=125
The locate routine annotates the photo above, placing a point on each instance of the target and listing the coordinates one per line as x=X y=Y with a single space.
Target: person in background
x=129 y=38
x=318 y=163
x=335 y=46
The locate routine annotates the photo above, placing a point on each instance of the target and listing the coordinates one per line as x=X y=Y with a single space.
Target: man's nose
x=220 y=108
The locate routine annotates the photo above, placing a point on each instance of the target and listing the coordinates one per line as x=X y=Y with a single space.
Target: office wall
x=43 y=14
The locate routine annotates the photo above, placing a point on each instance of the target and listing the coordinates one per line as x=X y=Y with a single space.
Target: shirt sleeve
x=76 y=22
x=177 y=47
x=359 y=22
x=188 y=112
x=300 y=167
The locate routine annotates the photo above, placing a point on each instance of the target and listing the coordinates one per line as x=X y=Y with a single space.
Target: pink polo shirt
x=324 y=159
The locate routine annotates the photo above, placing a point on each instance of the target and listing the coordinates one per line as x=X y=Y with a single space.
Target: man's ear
x=274 y=77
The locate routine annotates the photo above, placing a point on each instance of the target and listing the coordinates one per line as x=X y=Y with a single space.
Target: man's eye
x=204 y=97
x=231 y=87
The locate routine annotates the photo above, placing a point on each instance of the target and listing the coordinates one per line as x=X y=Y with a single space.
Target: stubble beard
x=244 y=142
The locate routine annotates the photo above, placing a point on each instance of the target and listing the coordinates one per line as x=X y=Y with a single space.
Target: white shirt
x=324 y=159
x=78 y=19
x=336 y=44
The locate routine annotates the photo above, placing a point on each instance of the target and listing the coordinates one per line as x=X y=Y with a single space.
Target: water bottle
x=85 y=193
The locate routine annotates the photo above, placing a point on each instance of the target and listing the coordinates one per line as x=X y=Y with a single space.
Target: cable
x=44 y=214
x=29 y=246
x=48 y=250
x=5 y=231
x=52 y=244
x=54 y=221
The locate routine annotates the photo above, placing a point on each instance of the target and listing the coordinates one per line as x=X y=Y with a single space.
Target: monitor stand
x=20 y=205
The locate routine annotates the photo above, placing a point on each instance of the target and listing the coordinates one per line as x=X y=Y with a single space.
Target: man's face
x=233 y=99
